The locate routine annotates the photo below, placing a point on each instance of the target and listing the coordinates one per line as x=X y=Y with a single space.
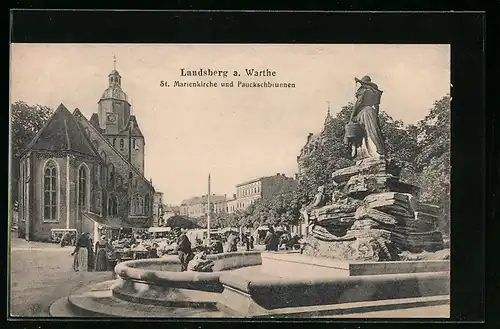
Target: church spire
x=115 y=79
x=328 y=115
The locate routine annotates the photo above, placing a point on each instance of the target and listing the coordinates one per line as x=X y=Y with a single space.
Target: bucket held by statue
x=353 y=134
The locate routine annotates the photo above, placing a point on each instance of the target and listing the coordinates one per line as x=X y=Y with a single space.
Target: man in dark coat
x=183 y=249
x=271 y=240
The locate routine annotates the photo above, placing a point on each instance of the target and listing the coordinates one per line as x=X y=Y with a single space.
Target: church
x=313 y=144
x=86 y=174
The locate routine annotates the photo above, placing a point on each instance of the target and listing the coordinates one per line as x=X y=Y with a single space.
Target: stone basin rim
x=131 y=270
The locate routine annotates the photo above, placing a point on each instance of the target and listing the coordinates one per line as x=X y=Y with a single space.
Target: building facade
x=157 y=208
x=249 y=192
x=313 y=144
x=232 y=204
x=75 y=174
x=197 y=207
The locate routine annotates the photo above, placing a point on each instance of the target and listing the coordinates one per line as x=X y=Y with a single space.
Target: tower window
x=130 y=177
x=114 y=142
x=50 y=192
x=119 y=181
x=111 y=174
x=133 y=143
x=122 y=143
x=112 y=205
x=146 y=204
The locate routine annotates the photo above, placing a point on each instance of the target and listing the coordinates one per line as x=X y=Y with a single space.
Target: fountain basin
x=163 y=274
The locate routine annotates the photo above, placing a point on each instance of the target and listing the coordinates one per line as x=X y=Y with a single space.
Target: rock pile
x=377 y=218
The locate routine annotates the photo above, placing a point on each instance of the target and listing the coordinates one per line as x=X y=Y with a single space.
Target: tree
x=433 y=159
x=400 y=142
x=26 y=121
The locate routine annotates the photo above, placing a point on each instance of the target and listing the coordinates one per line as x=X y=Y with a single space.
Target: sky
x=235 y=134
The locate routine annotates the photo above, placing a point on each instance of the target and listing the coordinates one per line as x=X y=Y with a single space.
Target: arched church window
x=50 y=191
x=119 y=181
x=97 y=173
x=82 y=186
x=112 y=205
x=146 y=204
x=135 y=205
x=134 y=145
x=122 y=144
x=104 y=170
x=111 y=174
x=103 y=157
x=141 y=206
x=114 y=142
x=130 y=178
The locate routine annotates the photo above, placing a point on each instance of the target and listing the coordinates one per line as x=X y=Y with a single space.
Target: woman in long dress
x=81 y=254
x=365 y=113
x=105 y=259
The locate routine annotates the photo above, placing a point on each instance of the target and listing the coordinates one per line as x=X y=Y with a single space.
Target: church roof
x=62 y=133
x=114 y=92
x=94 y=120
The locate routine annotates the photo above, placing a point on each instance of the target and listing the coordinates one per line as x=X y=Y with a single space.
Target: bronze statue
x=363 y=134
x=318 y=202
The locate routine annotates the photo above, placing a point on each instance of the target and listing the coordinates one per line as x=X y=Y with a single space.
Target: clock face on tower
x=111 y=118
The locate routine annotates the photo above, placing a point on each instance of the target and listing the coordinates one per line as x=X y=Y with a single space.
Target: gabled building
x=83 y=174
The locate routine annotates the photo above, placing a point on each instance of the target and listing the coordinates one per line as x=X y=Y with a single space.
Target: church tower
x=117 y=123
x=113 y=107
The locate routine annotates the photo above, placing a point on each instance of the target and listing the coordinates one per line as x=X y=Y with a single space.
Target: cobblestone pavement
x=40 y=273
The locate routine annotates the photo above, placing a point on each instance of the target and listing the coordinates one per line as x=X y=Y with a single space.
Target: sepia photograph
x=229 y=180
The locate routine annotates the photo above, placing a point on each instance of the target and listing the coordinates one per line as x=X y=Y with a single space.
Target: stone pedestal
x=377 y=218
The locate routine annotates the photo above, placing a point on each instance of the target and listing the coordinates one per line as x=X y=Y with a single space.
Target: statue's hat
x=366 y=80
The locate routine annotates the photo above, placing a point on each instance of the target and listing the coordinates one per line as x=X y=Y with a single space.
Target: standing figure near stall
x=81 y=254
x=363 y=133
x=90 y=248
x=183 y=249
x=105 y=257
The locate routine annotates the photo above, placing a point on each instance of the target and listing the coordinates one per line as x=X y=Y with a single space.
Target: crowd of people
x=191 y=249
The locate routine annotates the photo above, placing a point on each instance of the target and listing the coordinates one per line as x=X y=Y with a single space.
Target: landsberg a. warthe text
x=224 y=73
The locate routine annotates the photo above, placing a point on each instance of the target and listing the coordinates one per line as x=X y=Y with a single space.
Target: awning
x=118 y=222
x=159 y=229
x=229 y=229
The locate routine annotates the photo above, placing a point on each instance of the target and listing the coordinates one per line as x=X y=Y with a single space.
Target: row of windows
x=135 y=146
x=249 y=191
x=140 y=205
x=108 y=177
